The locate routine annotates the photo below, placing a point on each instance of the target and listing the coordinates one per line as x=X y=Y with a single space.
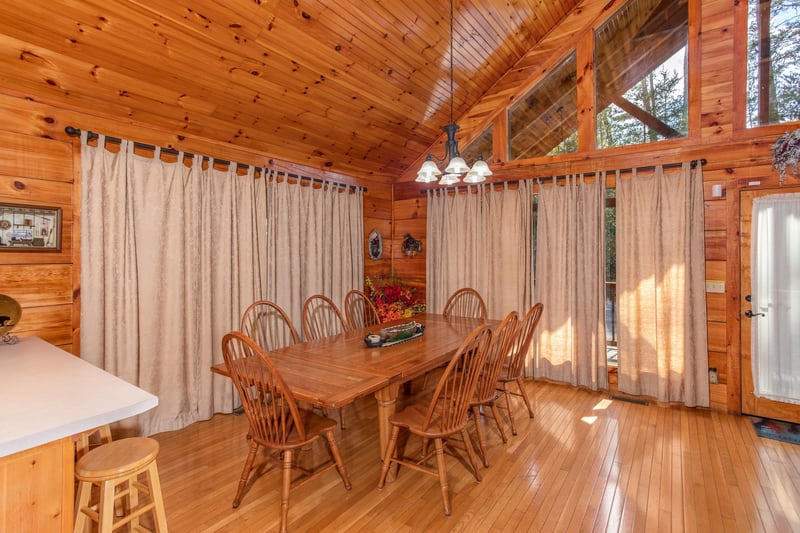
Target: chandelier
x=456 y=166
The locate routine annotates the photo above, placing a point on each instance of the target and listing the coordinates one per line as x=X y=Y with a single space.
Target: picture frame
x=29 y=228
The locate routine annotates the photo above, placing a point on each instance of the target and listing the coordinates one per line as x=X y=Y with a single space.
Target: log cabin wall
x=737 y=159
x=35 y=170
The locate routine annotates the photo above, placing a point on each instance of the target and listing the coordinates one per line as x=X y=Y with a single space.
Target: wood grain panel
x=717 y=337
x=715 y=245
x=52 y=323
x=717 y=396
x=384 y=225
x=716 y=270
x=24 y=156
x=38 y=285
x=411 y=209
x=715 y=215
x=36 y=191
x=378 y=207
x=37 y=488
x=716 y=307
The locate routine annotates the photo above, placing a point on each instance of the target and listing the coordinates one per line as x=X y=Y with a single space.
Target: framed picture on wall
x=29 y=228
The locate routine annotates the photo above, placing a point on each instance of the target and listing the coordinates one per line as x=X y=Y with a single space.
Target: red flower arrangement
x=393 y=299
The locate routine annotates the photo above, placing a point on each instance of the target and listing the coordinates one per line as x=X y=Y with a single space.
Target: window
x=612 y=316
x=773 y=75
x=640 y=80
x=545 y=120
x=481 y=146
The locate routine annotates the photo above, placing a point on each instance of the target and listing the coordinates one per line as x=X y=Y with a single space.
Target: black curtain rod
x=92 y=135
x=694 y=162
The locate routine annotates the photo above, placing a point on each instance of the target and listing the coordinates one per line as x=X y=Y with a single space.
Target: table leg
x=387 y=404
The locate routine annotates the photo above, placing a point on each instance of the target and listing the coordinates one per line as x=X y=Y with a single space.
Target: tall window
x=545 y=120
x=640 y=81
x=773 y=74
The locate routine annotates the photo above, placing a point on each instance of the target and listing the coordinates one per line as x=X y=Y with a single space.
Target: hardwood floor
x=585 y=463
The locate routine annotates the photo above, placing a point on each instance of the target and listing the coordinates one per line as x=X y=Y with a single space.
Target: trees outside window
x=773 y=74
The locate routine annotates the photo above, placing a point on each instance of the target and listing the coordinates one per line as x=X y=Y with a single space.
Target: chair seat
x=315 y=425
x=413 y=418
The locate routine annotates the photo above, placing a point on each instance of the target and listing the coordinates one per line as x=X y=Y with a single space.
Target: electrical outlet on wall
x=715 y=285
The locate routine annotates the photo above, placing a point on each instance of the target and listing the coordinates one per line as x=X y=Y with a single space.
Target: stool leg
x=133 y=499
x=84 y=492
x=160 y=516
x=106 y=506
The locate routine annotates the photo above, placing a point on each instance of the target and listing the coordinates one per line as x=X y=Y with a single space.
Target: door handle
x=751 y=314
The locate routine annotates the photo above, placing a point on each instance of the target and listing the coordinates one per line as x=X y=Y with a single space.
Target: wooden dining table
x=335 y=371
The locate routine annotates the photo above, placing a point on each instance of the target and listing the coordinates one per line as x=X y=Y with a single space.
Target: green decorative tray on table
x=394 y=334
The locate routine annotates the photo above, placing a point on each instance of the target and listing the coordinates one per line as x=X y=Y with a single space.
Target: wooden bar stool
x=115 y=468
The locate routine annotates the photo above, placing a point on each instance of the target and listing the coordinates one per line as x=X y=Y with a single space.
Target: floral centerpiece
x=786 y=152
x=393 y=299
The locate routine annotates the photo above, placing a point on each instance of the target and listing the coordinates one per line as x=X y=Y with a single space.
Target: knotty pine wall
x=39 y=171
x=738 y=159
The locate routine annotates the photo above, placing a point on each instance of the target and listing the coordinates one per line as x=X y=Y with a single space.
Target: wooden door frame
x=758 y=406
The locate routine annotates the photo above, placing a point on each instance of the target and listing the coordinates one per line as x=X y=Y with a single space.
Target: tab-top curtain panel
x=480 y=239
x=570 y=283
x=663 y=345
x=315 y=240
x=170 y=257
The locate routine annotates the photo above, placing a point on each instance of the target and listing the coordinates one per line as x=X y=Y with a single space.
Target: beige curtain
x=480 y=237
x=315 y=238
x=663 y=349
x=570 y=282
x=170 y=257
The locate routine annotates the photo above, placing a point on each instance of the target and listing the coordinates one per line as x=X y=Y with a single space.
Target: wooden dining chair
x=486 y=392
x=444 y=415
x=514 y=366
x=276 y=422
x=359 y=311
x=322 y=318
x=269 y=325
x=465 y=302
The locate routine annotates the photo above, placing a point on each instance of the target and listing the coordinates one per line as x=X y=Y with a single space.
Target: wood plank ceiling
x=360 y=88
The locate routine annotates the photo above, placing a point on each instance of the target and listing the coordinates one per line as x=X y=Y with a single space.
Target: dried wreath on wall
x=411 y=246
x=786 y=152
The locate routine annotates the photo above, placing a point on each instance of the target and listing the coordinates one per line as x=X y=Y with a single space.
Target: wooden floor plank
x=574 y=467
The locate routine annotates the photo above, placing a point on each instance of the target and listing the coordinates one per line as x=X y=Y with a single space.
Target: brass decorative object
x=10 y=314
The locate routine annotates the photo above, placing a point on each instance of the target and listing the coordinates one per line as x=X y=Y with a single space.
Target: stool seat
x=115 y=469
x=116 y=458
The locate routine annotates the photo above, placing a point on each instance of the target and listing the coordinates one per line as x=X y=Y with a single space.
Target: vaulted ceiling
x=359 y=88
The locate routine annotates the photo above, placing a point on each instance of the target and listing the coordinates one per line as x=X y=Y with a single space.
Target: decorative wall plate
x=375 y=244
x=5 y=224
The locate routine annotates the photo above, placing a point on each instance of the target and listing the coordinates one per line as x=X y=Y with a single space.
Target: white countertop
x=47 y=394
